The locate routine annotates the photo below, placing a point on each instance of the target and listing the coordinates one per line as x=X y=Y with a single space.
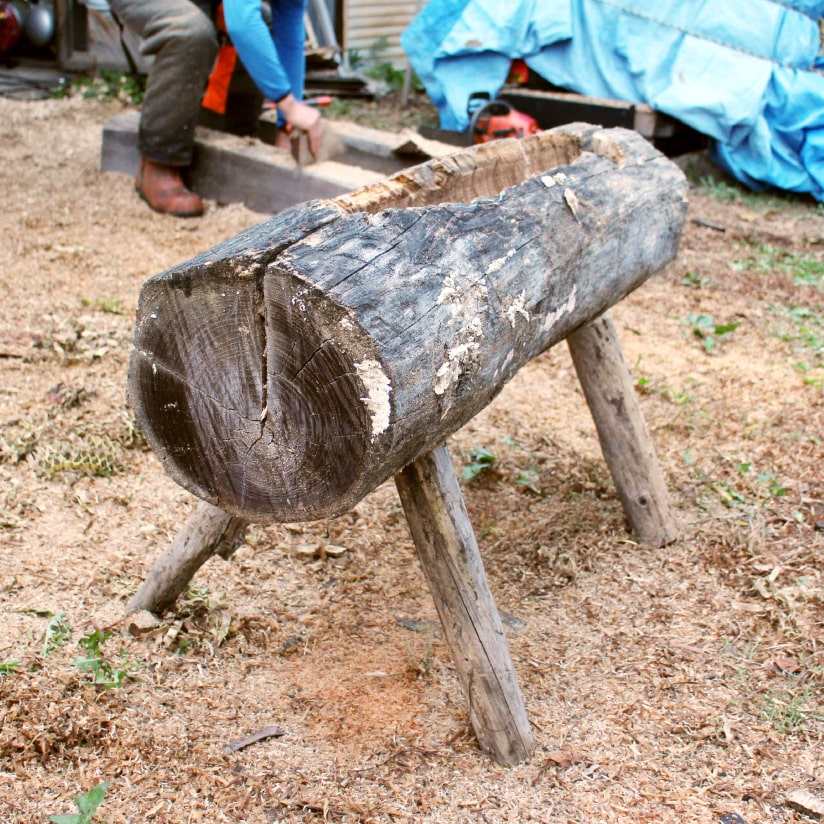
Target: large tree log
x=286 y=373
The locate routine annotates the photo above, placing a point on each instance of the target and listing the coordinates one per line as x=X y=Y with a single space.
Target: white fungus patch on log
x=378 y=390
x=517 y=309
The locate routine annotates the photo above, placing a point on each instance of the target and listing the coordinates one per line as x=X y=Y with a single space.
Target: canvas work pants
x=183 y=41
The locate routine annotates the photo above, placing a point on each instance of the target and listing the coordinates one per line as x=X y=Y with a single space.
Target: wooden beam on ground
x=232 y=169
x=446 y=545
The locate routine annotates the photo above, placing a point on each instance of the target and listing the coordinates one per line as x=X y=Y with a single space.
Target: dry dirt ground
x=683 y=684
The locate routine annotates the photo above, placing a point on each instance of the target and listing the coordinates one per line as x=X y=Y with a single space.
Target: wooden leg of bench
x=209 y=531
x=448 y=551
x=625 y=440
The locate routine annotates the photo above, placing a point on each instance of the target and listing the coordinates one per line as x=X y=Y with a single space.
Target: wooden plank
x=231 y=169
x=452 y=564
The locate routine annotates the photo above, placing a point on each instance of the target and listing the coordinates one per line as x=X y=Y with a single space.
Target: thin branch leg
x=625 y=439
x=209 y=531
x=448 y=551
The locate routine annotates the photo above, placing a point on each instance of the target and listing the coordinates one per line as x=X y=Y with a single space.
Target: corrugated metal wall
x=366 y=21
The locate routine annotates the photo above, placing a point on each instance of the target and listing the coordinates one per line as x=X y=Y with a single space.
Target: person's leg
x=183 y=41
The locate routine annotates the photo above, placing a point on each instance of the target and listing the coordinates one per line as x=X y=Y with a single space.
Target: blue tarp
x=746 y=73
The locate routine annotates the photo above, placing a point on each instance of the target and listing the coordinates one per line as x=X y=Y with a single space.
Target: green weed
x=95 y=663
x=383 y=70
x=694 y=280
x=480 y=460
x=709 y=332
x=721 y=190
x=86 y=804
x=8 y=667
x=805 y=269
x=731 y=192
x=111 y=305
x=528 y=478
x=58 y=632
x=803 y=328
x=108 y=85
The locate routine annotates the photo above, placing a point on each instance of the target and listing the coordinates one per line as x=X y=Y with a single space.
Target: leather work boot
x=163 y=189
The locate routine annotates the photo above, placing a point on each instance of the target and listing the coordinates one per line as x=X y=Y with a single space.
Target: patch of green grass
x=805 y=269
x=729 y=191
x=111 y=305
x=721 y=190
x=8 y=667
x=107 y=85
x=803 y=328
x=86 y=804
x=790 y=712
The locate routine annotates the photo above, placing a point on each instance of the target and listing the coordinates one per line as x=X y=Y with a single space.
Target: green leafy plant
x=480 y=460
x=58 y=632
x=528 y=478
x=8 y=667
x=705 y=328
x=95 y=663
x=86 y=804
x=383 y=70
x=111 y=305
x=108 y=85
x=695 y=280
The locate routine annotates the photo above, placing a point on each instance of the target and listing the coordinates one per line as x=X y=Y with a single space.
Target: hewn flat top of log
x=290 y=370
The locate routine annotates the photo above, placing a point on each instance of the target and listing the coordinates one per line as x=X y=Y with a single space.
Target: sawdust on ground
x=667 y=685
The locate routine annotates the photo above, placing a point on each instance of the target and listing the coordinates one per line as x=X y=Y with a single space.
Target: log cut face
x=286 y=373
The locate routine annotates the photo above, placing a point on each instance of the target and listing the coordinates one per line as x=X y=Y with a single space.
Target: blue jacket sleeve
x=256 y=48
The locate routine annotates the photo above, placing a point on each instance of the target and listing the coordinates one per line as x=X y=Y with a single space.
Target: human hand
x=302 y=116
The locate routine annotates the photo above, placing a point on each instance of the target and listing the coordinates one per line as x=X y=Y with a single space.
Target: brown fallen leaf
x=562 y=758
x=805 y=802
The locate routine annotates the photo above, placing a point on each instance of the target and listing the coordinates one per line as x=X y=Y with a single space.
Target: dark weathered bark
x=286 y=373
x=625 y=441
x=449 y=555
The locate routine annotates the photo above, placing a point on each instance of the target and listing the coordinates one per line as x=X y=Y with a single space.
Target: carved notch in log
x=286 y=373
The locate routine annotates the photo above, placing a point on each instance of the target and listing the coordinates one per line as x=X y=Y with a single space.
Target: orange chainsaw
x=495 y=119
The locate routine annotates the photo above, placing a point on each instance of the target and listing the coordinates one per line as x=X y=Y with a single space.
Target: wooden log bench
x=286 y=373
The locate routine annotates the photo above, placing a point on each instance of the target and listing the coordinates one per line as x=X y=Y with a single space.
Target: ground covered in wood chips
x=683 y=684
